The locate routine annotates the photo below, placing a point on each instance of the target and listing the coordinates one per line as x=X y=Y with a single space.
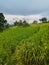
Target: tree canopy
x=35 y=22
x=44 y=19
x=3 y=22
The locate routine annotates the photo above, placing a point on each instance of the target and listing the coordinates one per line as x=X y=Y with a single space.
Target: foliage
x=35 y=22
x=25 y=23
x=16 y=23
x=25 y=46
x=21 y=23
x=44 y=20
x=7 y=25
x=3 y=22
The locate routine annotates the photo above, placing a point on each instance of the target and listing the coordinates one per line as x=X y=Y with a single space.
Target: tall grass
x=25 y=45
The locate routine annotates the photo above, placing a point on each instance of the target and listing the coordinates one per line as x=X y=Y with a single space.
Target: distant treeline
x=4 y=25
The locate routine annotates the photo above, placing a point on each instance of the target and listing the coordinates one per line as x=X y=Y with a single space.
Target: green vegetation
x=25 y=45
x=3 y=22
x=21 y=23
x=35 y=22
x=43 y=20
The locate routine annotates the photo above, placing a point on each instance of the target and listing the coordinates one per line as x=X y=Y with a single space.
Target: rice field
x=25 y=45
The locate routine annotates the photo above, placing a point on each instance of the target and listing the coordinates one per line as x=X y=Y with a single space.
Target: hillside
x=25 y=45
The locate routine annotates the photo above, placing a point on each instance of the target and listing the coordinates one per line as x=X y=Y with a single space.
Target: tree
x=35 y=22
x=15 y=23
x=44 y=19
x=7 y=25
x=20 y=23
x=3 y=22
x=25 y=23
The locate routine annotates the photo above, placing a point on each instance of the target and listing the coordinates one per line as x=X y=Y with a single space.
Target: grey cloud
x=24 y=7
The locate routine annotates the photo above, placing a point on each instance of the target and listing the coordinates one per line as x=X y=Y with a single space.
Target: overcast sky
x=24 y=7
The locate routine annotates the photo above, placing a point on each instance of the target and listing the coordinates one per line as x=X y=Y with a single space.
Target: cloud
x=24 y=7
x=29 y=18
